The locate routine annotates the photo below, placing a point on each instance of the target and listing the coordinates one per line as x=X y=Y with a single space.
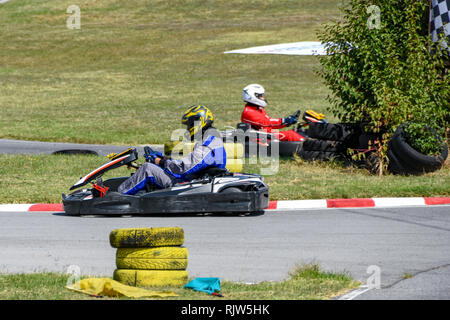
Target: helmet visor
x=191 y=121
x=261 y=96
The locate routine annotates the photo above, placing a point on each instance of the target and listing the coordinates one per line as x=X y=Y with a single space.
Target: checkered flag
x=439 y=22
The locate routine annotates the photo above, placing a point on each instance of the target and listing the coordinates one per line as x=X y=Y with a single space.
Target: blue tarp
x=208 y=285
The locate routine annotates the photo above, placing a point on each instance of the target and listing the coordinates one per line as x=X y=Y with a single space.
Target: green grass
x=298 y=179
x=134 y=66
x=42 y=178
x=306 y=282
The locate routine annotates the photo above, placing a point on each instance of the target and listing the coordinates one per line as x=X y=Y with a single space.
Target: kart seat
x=212 y=172
x=215 y=171
x=243 y=126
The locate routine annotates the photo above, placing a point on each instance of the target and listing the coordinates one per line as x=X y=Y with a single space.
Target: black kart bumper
x=115 y=203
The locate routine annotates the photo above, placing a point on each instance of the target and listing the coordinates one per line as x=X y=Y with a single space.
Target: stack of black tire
x=328 y=141
x=404 y=159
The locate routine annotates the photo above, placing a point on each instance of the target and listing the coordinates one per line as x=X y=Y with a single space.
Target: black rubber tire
x=159 y=258
x=323 y=145
x=396 y=166
x=333 y=131
x=151 y=278
x=414 y=159
x=319 y=155
x=289 y=148
x=75 y=152
x=231 y=190
x=146 y=237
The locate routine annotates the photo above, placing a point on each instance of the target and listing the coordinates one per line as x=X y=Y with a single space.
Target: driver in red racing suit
x=255 y=115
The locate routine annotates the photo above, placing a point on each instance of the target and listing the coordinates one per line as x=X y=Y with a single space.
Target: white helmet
x=255 y=94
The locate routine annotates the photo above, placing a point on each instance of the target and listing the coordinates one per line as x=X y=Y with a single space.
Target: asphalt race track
x=9 y=146
x=409 y=246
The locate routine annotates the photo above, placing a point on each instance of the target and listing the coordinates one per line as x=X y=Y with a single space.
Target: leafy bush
x=423 y=139
x=381 y=71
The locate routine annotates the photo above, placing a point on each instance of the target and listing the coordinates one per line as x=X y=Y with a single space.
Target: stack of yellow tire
x=235 y=153
x=235 y=156
x=150 y=257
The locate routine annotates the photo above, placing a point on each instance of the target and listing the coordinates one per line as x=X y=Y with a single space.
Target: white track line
x=355 y=293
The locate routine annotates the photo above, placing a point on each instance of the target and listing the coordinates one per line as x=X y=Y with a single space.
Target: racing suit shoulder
x=210 y=152
x=259 y=119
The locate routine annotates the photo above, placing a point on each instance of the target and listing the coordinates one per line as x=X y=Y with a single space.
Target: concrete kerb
x=281 y=205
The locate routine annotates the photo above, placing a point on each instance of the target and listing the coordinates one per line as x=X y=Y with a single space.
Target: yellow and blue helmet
x=197 y=119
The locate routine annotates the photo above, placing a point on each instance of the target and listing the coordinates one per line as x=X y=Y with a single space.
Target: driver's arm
x=260 y=119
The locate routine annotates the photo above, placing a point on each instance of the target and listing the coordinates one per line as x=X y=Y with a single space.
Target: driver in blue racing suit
x=163 y=172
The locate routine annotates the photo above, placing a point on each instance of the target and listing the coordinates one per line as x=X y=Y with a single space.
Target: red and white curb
x=35 y=207
x=357 y=203
x=282 y=205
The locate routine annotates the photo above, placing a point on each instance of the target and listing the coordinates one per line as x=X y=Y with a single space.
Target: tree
x=382 y=71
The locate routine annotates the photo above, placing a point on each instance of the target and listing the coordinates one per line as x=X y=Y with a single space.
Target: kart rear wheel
x=232 y=190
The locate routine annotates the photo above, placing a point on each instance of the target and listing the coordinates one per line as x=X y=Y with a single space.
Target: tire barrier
x=146 y=237
x=404 y=159
x=150 y=257
x=235 y=165
x=340 y=141
x=151 y=278
x=342 y=132
x=327 y=141
x=324 y=145
x=157 y=258
x=319 y=155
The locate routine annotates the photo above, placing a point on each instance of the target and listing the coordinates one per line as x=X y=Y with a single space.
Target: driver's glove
x=152 y=156
x=290 y=120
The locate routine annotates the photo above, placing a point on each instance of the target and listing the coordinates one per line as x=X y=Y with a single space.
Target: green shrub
x=423 y=139
x=385 y=74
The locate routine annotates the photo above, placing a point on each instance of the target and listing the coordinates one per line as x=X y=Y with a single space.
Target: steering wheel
x=297 y=115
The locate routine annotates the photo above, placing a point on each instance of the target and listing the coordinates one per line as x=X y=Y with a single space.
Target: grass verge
x=134 y=66
x=306 y=282
x=43 y=178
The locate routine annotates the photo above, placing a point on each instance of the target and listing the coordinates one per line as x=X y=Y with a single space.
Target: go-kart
x=261 y=143
x=214 y=190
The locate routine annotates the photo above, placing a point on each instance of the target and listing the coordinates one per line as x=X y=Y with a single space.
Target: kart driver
x=163 y=172
x=255 y=115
